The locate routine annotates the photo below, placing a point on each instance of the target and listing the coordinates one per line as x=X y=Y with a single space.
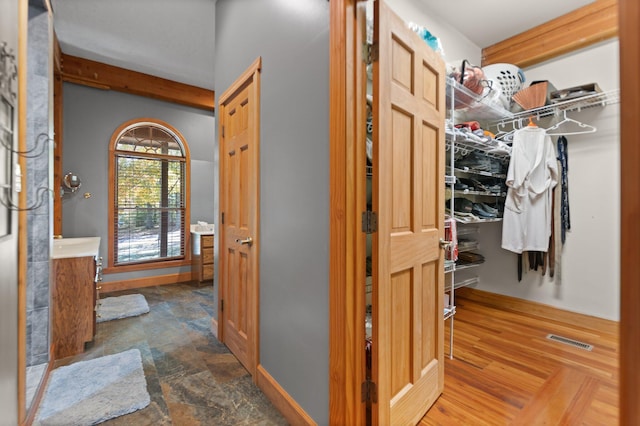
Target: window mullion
x=164 y=203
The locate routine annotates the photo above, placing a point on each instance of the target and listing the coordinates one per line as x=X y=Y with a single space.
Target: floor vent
x=570 y=342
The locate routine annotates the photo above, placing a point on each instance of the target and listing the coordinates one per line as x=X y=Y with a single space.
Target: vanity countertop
x=75 y=247
x=202 y=229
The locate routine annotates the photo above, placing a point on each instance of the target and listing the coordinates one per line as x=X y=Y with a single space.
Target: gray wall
x=293 y=40
x=90 y=118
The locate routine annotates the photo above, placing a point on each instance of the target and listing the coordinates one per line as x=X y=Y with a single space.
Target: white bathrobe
x=532 y=175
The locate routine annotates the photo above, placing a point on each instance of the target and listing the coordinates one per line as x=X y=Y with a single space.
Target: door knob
x=248 y=241
x=444 y=244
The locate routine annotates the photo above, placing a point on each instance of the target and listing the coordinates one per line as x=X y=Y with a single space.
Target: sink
x=75 y=247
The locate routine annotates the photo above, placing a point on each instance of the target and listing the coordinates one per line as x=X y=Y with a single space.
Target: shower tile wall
x=38 y=183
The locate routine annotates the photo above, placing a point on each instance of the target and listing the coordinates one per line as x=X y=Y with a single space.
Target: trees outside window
x=148 y=194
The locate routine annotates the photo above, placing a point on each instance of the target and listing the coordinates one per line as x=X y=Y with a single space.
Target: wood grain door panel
x=239 y=200
x=408 y=328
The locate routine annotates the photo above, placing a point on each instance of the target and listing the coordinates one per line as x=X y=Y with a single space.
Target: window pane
x=150 y=208
x=139 y=182
x=175 y=190
x=140 y=236
x=149 y=140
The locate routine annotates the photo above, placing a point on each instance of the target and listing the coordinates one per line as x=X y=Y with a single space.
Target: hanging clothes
x=532 y=175
x=564 y=187
x=552 y=238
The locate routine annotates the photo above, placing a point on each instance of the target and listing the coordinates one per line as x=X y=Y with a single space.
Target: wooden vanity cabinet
x=201 y=257
x=73 y=305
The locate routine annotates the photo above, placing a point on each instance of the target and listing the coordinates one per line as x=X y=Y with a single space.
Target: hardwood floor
x=505 y=371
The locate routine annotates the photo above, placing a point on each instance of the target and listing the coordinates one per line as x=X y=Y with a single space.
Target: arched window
x=148 y=195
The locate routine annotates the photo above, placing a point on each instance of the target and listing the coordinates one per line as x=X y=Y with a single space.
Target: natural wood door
x=238 y=114
x=408 y=194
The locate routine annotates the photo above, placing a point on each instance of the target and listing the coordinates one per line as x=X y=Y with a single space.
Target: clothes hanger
x=504 y=135
x=583 y=128
x=500 y=130
x=531 y=123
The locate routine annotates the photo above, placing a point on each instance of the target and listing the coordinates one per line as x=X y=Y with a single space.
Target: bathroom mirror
x=71 y=182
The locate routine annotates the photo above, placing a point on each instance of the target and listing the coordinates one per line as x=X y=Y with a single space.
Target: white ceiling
x=486 y=22
x=174 y=39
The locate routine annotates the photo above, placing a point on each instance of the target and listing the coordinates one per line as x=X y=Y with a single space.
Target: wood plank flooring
x=506 y=372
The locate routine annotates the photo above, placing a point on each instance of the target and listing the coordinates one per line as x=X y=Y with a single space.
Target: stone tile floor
x=191 y=377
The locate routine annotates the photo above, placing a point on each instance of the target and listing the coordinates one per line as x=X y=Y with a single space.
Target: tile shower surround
x=38 y=220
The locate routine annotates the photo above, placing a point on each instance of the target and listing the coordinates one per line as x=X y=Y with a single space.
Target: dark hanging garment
x=552 y=239
x=539 y=261
x=532 y=260
x=564 y=181
x=519 y=267
x=535 y=260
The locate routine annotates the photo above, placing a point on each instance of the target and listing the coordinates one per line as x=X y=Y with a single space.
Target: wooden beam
x=587 y=25
x=108 y=77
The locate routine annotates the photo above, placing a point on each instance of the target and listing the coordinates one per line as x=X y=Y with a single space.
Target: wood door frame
x=629 y=16
x=251 y=73
x=347 y=194
x=24 y=412
x=344 y=384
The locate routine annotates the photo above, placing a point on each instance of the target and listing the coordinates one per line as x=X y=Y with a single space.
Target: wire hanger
x=502 y=133
x=583 y=128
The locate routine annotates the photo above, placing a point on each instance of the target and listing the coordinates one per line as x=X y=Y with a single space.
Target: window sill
x=147 y=266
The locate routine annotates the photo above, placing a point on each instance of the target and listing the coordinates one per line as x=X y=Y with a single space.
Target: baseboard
x=180 y=277
x=214 y=327
x=510 y=303
x=289 y=408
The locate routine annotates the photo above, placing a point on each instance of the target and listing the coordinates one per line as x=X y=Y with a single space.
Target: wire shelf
x=461 y=284
x=599 y=99
x=463 y=145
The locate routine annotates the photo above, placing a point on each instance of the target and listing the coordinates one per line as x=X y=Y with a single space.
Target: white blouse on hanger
x=532 y=175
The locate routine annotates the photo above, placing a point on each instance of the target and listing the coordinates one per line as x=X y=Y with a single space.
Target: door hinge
x=222 y=218
x=222 y=131
x=370 y=53
x=369 y=392
x=369 y=222
x=221 y=305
